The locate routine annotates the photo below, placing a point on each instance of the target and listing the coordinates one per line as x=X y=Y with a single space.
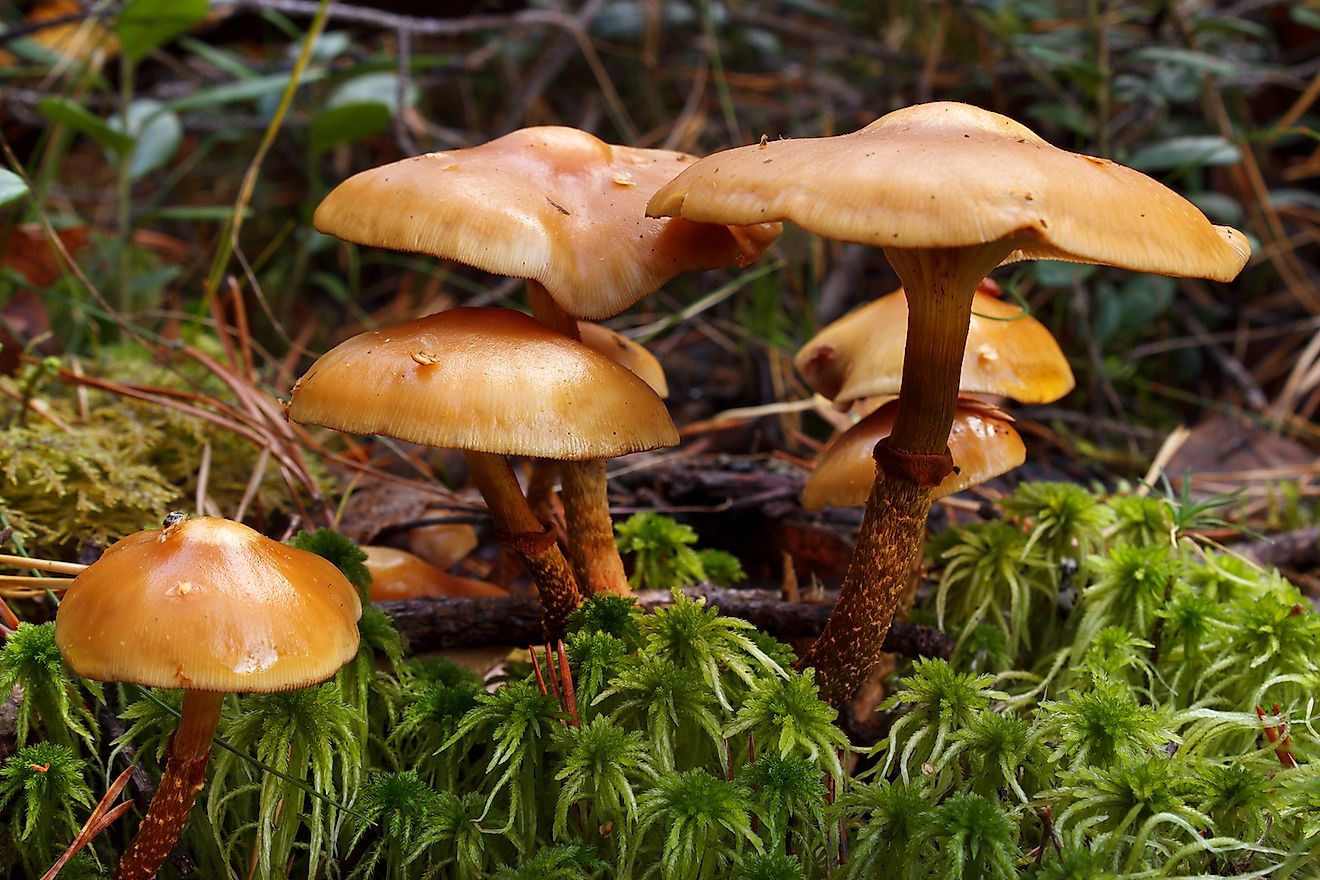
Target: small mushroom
x=398 y=574
x=1008 y=353
x=213 y=607
x=441 y=544
x=626 y=353
x=982 y=442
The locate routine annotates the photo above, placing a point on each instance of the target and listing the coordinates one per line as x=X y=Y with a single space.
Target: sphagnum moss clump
x=1122 y=740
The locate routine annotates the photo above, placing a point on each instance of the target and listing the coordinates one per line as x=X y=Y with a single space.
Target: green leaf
x=225 y=61
x=195 y=213
x=343 y=125
x=62 y=110
x=1200 y=62
x=357 y=109
x=1306 y=16
x=1219 y=207
x=12 y=187
x=146 y=24
x=156 y=132
x=1185 y=152
x=251 y=89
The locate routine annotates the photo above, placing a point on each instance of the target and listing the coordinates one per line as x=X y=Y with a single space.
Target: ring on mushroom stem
x=566 y=211
x=213 y=607
x=949 y=191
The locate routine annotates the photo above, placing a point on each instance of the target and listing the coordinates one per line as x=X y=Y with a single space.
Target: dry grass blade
x=9 y=618
x=103 y=815
x=243 y=424
x=52 y=565
x=566 y=676
x=9 y=582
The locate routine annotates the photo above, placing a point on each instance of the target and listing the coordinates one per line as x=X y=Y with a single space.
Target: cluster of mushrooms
x=949 y=191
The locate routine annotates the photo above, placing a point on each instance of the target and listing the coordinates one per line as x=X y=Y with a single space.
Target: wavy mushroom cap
x=626 y=353
x=1009 y=353
x=398 y=574
x=951 y=175
x=982 y=441
x=488 y=380
x=552 y=204
x=208 y=604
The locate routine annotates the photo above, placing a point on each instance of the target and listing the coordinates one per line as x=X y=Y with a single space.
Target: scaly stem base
x=184 y=776
x=523 y=533
x=940 y=283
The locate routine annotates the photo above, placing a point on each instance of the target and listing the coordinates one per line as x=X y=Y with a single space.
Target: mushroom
x=213 y=607
x=626 y=353
x=564 y=210
x=398 y=574
x=1008 y=353
x=949 y=191
x=982 y=442
x=443 y=544
x=491 y=382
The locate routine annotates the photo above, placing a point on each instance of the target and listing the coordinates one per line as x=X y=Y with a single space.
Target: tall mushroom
x=213 y=607
x=491 y=382
x=564 y=210
x=949 y=191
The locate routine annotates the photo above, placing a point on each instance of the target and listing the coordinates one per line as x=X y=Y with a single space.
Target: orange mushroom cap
x=1008 y=353
x=398 y=574
x=949 y=175
x=552 y=204
x=626 y=353
x=488 y=380
x=982 y=442
x=208 y=604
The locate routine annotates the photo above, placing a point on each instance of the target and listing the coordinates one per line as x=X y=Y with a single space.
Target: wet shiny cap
x=982 y=441
x=398 y=574
x=1008 y=353
x=626 y=353
x=549 y=203
x=488 y=380
x=208 y=604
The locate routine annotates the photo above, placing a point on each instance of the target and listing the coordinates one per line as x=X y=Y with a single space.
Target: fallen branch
x=433 y=624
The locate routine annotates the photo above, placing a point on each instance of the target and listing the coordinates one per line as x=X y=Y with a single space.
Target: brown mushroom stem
x=940 y=284
x=541 y=479
x=549 y=312
x=185 y=773
x=522 y=532
x=592 y=550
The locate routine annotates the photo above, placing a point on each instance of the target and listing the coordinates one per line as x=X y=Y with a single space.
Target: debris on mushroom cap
x=625 y=352
x=1008 y=353
x=553 y=204
x=208 y=604
x=494 y=380
x=951 y=175
x=982 y=441
x=398 y=574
